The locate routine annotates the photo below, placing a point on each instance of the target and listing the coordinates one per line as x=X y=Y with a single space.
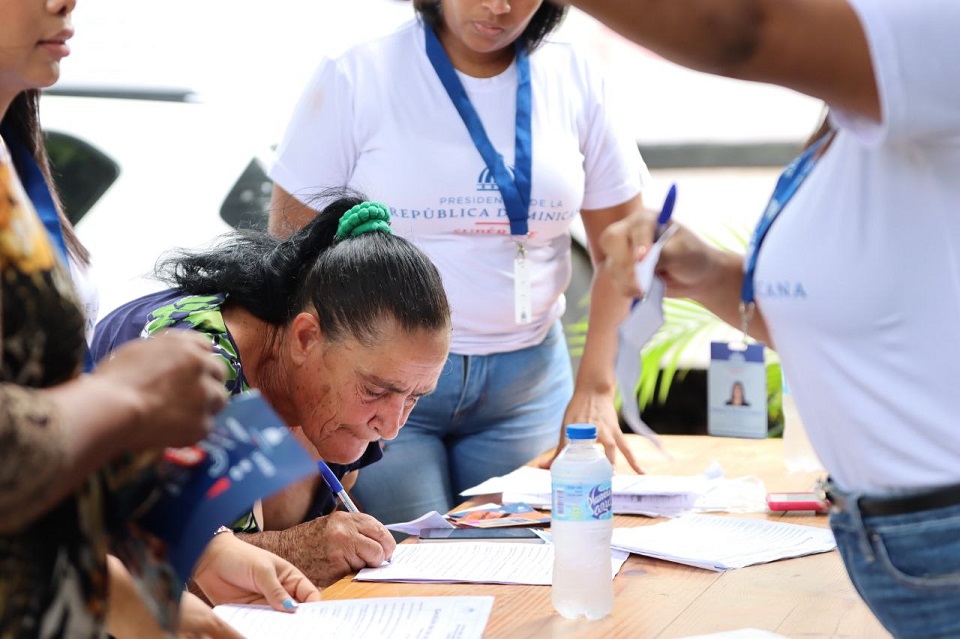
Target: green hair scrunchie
x=366 y=217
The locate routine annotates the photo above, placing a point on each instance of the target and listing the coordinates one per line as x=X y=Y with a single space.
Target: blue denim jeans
x=906 y=567
x=489 y=415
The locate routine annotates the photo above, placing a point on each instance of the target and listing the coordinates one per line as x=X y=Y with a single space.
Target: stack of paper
x=657 y=495
x=652 y=495
x=474 y=562
x=395 y=617
x=722 y=543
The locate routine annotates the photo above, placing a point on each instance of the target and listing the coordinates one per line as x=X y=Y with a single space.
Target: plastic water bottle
x=581 y=526
x=798 y=453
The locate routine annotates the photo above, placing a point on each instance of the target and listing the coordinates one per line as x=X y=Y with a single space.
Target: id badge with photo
x=737 y=391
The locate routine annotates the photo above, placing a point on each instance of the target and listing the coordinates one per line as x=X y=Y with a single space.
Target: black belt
x=912 y=503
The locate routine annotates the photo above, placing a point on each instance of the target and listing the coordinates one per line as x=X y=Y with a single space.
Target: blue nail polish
x=290 y=604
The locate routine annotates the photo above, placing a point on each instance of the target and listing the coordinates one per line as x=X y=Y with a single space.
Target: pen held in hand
x=335 y=486
x=337 y=489
x=663 y=220
x=666 y=212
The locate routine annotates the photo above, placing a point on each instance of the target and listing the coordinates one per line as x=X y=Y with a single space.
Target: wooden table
x=803 y=597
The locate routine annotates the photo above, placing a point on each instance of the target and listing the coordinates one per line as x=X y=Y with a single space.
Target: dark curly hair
x=544 y=22
x=353 y=284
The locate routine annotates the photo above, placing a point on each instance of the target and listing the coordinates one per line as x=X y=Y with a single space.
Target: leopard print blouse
x=53 y=577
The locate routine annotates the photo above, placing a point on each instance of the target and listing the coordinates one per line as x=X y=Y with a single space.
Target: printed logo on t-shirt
x=482 y=212
x=784 y=289
x=486 y=181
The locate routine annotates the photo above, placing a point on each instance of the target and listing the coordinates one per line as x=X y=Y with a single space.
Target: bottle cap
x=581 y=431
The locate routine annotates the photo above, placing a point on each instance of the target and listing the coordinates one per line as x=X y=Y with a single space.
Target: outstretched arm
x=816 y=47
x=595 y=389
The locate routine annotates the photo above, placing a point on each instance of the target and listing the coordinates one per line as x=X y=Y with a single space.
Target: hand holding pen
x=334 y=545
x=643 y=272
x=383 y=550
x=627 y=241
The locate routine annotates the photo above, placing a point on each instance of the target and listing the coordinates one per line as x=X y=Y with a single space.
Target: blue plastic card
x=249 y=455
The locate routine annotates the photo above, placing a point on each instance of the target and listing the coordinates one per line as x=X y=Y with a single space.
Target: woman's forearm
x=54 y=440
x=608 y=308
x=151 y=394
x=720 y=294
x=719 y=36
x=815 y=47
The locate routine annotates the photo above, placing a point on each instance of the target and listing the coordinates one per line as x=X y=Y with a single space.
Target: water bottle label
x=573 y=501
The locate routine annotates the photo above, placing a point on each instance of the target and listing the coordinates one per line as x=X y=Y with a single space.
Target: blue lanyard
x=514 y=189
x=790 y=180
x=37 y=190
x=31 y=177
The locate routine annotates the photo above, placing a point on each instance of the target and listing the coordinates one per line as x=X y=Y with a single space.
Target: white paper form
x=643 y=321
x=525 y=479
x=432 y=519
x=722 y=543
x=474 y=562
x=395 y=617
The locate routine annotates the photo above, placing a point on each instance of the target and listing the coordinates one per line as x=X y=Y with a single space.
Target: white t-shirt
x=378 y=119
x=859 y=278
x=88 y=294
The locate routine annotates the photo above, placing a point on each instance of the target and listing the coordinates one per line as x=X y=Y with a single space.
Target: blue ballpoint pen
x=335 y=486
x=662 y=221
x=666 y=211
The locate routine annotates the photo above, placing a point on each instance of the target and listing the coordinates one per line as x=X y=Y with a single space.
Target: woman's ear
x=305 y=336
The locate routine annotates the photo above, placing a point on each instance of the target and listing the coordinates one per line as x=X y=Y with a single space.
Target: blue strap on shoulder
x=515 y=188
x=36 y=187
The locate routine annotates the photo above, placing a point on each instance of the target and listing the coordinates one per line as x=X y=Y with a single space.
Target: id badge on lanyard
x=515 y=187
x=737 y=379
x=522 y=287
x=737 y=391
